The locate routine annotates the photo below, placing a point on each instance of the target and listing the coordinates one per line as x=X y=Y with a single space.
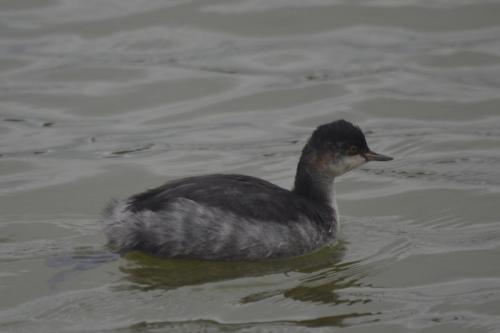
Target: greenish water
x=102 y=99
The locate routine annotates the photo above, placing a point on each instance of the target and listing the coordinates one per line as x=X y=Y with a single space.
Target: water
x=102 y=99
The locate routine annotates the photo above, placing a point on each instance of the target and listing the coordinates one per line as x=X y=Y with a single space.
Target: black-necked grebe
x=236 y=217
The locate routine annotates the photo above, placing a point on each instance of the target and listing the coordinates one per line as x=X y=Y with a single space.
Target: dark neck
x=310 y=182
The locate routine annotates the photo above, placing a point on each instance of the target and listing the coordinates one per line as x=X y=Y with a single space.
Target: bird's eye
x=352 y=150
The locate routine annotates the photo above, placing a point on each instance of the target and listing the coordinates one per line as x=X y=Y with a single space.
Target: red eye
x=352 y=150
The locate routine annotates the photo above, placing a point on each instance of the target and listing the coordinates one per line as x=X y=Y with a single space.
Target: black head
x=332 y=150
x=338 y=147
x=340 y=136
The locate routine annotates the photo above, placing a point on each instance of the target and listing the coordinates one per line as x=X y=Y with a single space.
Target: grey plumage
x=236 y=217
x=221 y=217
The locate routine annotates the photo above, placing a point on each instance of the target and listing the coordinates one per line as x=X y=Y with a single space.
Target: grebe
x=237 y=217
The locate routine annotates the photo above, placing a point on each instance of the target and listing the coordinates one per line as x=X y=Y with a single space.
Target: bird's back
x=220 y=217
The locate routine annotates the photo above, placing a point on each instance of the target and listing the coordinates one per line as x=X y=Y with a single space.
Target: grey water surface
x=102 y=99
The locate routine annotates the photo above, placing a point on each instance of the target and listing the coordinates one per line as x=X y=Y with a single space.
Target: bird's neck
x=312 y=182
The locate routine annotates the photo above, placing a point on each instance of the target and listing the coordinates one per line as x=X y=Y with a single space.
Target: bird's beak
x=371 y=156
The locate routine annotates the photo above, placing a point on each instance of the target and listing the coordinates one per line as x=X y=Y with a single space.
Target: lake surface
x=102 y=99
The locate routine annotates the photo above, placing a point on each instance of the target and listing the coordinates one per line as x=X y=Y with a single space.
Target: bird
x=223 y=217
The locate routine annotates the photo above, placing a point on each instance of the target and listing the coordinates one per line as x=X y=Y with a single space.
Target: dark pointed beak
x=371 y=156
